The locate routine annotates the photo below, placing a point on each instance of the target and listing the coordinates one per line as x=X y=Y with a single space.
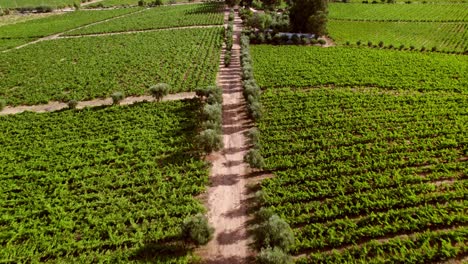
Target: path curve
x=228 y=194
x=56 y=106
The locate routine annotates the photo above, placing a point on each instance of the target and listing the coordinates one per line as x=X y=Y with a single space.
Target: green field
x=444 y=36
x=116 y=3
x=161 y=17
x=443 y=26
x=295 y=66
x=19 y=33
x=397 y=12
x=368 y=171
x=91 y=67
x=35 y=3
x=99 y=185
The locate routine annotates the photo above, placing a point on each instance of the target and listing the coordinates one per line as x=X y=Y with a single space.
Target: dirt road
x=228 y=193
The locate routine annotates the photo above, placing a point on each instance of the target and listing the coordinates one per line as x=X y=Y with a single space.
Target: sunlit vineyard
x=19 y=33
x=426 y=12
x=444 y=36
x=99 y=185
x=366 y=171
x=293 y=66
x=161 y=17
x=90 y=67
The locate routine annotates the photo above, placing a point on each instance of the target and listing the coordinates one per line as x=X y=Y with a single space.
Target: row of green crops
x=113 y=3
x=295 y=66
x=102 y=185
x=35 y=3
x=444 y=36
x=161 y=17
x=91 y=67
x=427 y=12
x=357 y=168
x=17 y=18
x=30 y=30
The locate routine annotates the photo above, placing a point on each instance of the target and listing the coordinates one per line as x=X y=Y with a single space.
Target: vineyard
x=33 y=29
x=91 y=67
x=99 y=185
x=35 y=3
x=161 y=17
x=444 y=36
x=295 y=66
x=392 y=189
x=442 y=27
x=426 y=12
x=117 y=3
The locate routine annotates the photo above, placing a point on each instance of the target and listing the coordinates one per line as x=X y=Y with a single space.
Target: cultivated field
x=99 y=185
x=426 y=26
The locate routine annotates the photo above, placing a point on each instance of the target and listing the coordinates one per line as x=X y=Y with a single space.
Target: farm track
x=228 y=195
x=56 y=106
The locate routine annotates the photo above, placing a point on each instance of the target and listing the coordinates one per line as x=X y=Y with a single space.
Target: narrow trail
x=228 y=194
x=91 y=2
x=56 y=106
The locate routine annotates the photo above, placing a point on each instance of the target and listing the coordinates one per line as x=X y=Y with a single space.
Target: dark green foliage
x=72 y=104
x=2 y=104
x=210 y=140
x=254 y=159
x=381 y=44
x=274 y=232
x=273 y=256
x=117 y=97
x=197 y=230
x=264 y=214
x=212 y=94
x=213 y=112
x=302 y=10
x=159 y=90
x=317 y=23
x=322 y=42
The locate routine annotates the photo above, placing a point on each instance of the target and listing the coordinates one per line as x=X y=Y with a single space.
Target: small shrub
x=227 y=59
x=159 y=90
x=434 y=49
x=256 y=110
x=264 y=214
x=412 y=47
x=313 y=41
x=365 y=2
x=231 y=17
x=369 y=44
x=381 y=44
x=274 y=233
x=197 y=230
x=254 y=135
x=72 y=104
x=322 y=42
x=255 y=159
x=358 y=43
x=213 y=112
x=347 y=43
x=391 y=46
x=141 y=3
x=117 y=97
x=2 y=104
x=402 y=47
x=423 y=48
x=209 y=140
x=273 y=256
x=295 y=39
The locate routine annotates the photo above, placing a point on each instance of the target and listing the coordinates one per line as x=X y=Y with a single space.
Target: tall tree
x=308 y=16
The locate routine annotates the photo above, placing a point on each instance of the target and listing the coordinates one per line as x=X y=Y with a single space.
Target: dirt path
x=227 y=195
x=55 y=106
x=91 y=2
